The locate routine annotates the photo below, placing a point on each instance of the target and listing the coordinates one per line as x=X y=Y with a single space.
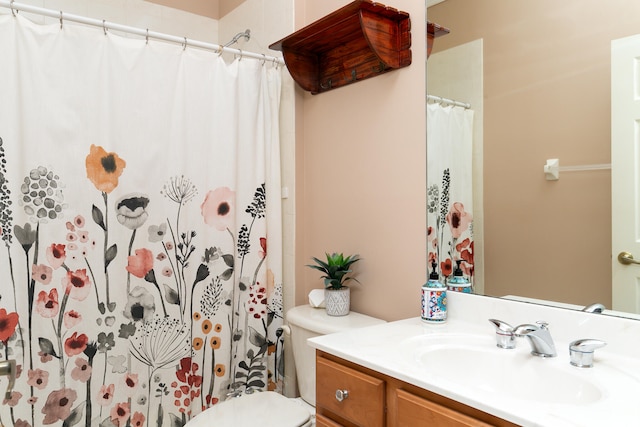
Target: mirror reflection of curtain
x=140 y=210
x=450 y=188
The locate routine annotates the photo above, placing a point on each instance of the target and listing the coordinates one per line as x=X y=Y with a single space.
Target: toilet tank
x=307 y=322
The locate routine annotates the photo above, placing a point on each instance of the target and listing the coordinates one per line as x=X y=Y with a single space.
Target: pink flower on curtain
x=72 y=318
x=105 y=395
x=119 y=414
x=218 y=208
x=38 y=378
x=75 y=344
x=130 y=382
x=82 y=371
x=58 y=405
x=77 y=284
x=140 y=263
x=56 y=255
x=41 y=273
x=137 y=420
x=13 y=400
x=47 y=305
x=458 y=220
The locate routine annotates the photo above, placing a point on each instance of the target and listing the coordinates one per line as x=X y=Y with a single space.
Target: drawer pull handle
x=341 y=395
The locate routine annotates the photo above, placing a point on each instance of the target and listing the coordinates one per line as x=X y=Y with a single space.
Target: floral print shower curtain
x=450 y=190
x=140 y=219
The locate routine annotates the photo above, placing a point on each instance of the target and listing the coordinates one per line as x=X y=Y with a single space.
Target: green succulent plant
x=335 y=269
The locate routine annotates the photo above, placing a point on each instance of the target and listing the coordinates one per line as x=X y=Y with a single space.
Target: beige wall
x=214 y=9
x=361 y=176
x=547 y=95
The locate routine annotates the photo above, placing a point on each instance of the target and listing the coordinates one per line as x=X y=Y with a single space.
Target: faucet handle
x=581 y=351
x=504 y=334
x=524 y=329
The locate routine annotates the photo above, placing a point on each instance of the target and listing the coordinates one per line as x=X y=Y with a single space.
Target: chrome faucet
x=504 y=334
x=8 y=368
x=594 y=308
x=539 y=337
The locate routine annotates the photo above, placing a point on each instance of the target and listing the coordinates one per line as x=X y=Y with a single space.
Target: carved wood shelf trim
x=360 y=40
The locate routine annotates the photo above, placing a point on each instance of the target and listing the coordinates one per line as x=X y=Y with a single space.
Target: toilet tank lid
x=317 y=320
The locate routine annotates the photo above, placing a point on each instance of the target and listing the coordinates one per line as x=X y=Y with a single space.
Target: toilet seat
x=264 y=409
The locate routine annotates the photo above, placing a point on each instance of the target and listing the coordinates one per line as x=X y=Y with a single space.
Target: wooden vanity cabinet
x=377 y=400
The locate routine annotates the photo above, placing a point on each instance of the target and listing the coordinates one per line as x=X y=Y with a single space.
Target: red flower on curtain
x=75 y=344
x=446 y=267
x=104 y=169
x=263 y=245
x=190 y=389
x=140 y=263
x=8 y=323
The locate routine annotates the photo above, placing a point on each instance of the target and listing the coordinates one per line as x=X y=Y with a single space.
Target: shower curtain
x=450 y=189
x=141 y=223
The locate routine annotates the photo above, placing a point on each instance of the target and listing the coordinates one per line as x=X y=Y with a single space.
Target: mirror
x=545 y=76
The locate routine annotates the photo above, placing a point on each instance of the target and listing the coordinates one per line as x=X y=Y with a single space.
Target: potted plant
x=336 y=271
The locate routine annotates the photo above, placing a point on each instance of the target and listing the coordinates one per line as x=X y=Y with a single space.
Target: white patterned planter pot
x=337 y=301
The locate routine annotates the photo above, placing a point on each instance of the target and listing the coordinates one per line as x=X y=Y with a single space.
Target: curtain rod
x=106 y=25
x=448 y=101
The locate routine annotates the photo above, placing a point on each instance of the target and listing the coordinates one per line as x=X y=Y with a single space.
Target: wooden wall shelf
x=360 y=40
x=434 y=30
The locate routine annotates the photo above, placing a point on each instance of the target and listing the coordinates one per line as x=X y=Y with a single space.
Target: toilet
x=271 y=409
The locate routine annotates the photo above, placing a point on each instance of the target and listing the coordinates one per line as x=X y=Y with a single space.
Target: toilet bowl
x=271 y=409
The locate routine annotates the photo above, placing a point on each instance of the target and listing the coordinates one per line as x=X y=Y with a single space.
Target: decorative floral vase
x=337 y=301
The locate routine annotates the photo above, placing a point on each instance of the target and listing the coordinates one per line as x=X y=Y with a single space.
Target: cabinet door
x=322 y=421
x=415 y=411
x=362 y=400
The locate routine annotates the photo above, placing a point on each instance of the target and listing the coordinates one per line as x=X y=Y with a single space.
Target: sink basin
x=514 y=373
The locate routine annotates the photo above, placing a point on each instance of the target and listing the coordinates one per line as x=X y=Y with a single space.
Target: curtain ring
x=13 y=12
x=239 y=54
x=104 y=26
x=60 y=19
x=264 y=59
x=147 y=37
x=220 y=50
x=184 y=47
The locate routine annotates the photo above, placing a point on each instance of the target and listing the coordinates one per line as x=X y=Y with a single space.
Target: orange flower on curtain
x=104 y=169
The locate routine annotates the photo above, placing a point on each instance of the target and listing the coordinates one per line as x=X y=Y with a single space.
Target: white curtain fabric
x=450 y=188
x=140 y=211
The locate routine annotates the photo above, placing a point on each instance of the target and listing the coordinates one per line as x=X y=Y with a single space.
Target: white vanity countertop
x=607 y=394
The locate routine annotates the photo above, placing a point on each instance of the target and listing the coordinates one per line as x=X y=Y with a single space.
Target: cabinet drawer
x=414 y=411
x=322 y=421
x=365 y=403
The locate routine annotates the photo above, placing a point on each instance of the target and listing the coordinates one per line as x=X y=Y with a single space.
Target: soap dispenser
x=458 y=282
x=434 y=299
